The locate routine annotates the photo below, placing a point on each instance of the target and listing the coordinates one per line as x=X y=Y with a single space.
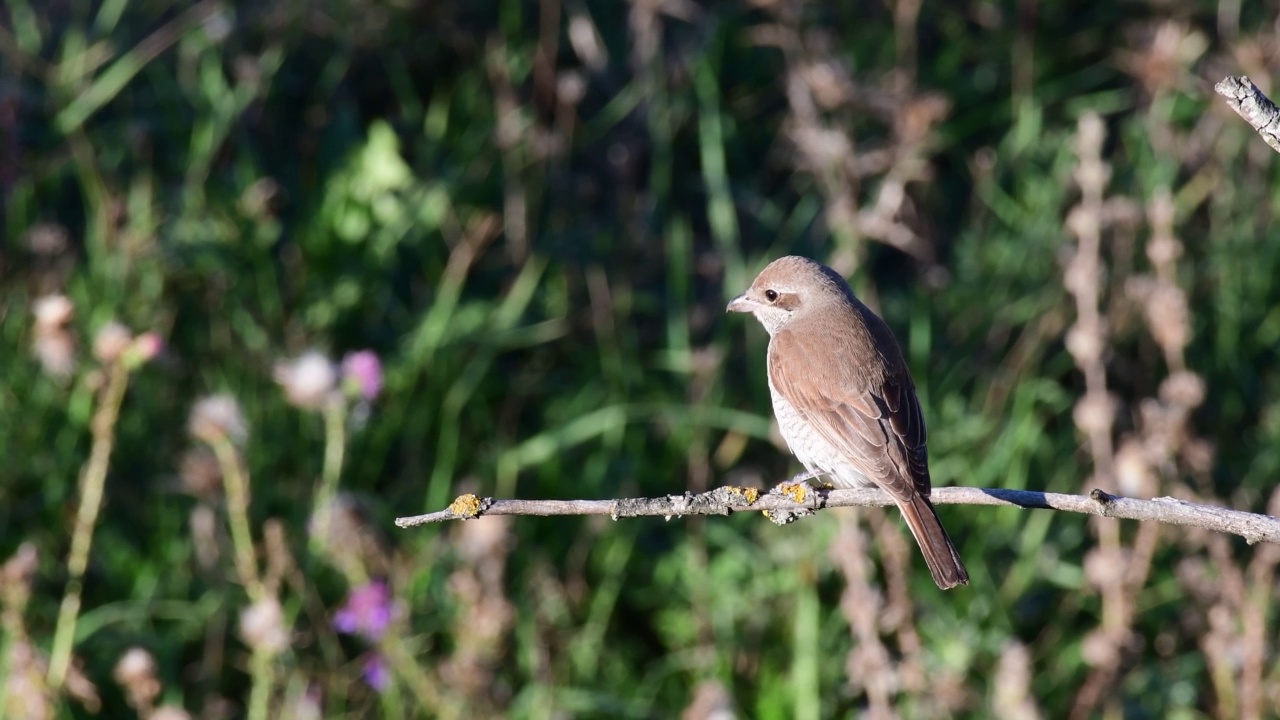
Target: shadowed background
x=533 y=215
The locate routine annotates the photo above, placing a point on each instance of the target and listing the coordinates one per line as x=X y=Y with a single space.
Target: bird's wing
x=877 y=425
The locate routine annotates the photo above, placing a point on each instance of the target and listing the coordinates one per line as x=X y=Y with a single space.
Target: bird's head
x=787 y=287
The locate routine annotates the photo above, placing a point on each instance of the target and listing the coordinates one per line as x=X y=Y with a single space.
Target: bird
x=844 y=398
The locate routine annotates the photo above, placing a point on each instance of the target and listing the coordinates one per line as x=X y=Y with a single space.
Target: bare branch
x=1249 y=103
x=791 y=500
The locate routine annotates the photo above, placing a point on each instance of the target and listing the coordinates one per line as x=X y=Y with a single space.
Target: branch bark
x=790 y=501
x=1256 y=108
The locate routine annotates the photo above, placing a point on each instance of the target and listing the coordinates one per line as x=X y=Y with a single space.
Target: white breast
x=809 y=447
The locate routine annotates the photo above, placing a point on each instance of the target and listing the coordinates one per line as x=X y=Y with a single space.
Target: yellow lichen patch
x=796 y=491
x=466 y=506
x=748 y=494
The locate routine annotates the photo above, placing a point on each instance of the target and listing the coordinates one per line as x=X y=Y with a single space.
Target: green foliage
x=534 y=214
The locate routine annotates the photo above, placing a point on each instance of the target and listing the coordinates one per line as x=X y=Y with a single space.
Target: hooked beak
x=740 y=304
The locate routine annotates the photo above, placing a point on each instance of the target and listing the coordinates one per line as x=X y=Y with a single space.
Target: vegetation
x=276 y=273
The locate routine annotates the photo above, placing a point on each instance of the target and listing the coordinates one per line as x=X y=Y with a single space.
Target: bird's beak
x=739 y=304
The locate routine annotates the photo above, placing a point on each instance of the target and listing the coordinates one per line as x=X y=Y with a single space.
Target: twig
x=790 y=501
x=1249 y=103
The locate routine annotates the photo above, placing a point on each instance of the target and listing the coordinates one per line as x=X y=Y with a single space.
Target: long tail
x=939 y=552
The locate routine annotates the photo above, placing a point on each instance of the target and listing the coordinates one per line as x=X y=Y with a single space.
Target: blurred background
x=275 y=273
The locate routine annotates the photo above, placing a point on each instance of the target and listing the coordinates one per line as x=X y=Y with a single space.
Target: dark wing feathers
x=874 y=421
x=907 y=422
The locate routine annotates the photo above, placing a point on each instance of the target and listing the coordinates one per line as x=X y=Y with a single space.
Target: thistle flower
x=134 y=666
x=362 y=374
x=307 y=380
x=56 y=353
x=367 y=612
x=262 y=626
x=53 y=311
x=376 y=672
x=112 y=340
x=215 y=417
x=54 y=346
x=144 y=349
x=135 y=672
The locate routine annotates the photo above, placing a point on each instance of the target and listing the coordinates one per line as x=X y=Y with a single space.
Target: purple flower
x=367 y=611
x=376 y=672
x=362 y=374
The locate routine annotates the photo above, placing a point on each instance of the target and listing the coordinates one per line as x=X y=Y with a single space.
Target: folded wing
x=874 y=422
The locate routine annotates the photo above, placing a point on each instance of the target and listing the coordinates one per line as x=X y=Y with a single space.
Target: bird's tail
x=944 y=562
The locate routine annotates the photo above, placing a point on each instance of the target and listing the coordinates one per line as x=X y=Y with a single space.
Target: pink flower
x=362 y=374
x=146 y=347
x=367 y=611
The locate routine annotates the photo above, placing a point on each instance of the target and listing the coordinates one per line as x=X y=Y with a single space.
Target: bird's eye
x=771 y=295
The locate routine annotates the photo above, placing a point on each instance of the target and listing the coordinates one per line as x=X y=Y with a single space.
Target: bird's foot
x=797 y=489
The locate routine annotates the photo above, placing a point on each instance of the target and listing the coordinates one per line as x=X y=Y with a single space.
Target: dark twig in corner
x=790 y=501
x=1249 y=103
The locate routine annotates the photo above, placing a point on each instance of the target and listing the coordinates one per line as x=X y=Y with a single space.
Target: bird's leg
x=805 y=477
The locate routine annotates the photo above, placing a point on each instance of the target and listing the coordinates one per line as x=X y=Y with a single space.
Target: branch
x=1249 y=103
x=790 y=501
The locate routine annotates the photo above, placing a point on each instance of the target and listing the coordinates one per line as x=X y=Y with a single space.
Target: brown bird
x=844 y=398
